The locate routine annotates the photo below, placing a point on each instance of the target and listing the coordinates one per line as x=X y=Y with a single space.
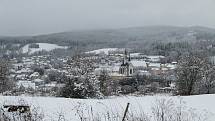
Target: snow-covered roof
x=17 y=64
x=144 y=72
x=35 y=74
x=26 y=84
x=116 y=74
x=107 y=68
x=20 y=76
x=53 y=84
x=38 y=80
x=134 y=54
x=174 y=62
x=155 y=69
x=155 y=65
x=155 y=58
x=24 y=70
x=137 y=63
x=171 y=66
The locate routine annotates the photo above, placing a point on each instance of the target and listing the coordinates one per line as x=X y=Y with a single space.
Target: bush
x=127 y=89
x=39 y=70
x=79 y=87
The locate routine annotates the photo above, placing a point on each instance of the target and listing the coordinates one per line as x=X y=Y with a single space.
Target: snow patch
x=42 y=46
x=104 y=50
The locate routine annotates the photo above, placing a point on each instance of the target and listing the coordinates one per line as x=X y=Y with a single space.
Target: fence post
x=126 y=110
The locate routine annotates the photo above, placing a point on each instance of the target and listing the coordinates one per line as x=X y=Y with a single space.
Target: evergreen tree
x=5 y=83
x=103 y=79
x=82 y=83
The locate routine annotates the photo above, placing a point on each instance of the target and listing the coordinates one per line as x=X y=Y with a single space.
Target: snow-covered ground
x=42 y=46
x=104 y=50
x=71 y=109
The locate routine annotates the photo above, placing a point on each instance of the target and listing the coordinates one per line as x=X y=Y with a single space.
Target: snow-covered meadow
x=42 y=46
x=103 y=50
x=74 y=109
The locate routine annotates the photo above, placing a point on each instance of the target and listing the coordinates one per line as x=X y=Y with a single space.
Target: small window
x=130 y=71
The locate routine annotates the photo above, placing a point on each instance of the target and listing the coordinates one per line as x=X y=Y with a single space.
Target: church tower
x=126 y=67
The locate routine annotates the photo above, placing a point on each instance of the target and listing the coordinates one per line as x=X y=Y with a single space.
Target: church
x=126 y=68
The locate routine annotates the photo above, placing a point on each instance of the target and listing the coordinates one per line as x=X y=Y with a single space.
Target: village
x=111 y=60
x=44 y=75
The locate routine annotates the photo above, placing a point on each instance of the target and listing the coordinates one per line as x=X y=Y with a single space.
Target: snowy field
x=103 y=50
x=73 y=109
x=42 y=46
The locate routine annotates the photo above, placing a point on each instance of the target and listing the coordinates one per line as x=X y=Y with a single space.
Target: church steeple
x=126 y=67
x=126 y=53
x=125 y=56
x=129 y=58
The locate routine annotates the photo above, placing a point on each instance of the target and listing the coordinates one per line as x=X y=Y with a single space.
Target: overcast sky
x=32 y=17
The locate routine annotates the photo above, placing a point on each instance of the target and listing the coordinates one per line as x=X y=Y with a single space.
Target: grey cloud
x=30 y=17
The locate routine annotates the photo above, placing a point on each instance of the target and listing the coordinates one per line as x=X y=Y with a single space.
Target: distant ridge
x=200 y=28
x=134 y=37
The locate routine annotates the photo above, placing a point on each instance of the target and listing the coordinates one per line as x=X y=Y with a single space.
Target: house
x=38 y=82
x=155 y=59
x=139 y=65
x=26 y=84
x=35 y=75
x=143 y=73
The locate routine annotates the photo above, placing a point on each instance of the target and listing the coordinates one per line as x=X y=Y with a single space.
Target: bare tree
x=162 y=110
x=170 y=110
x=79 y=66
x=208 y=81
x=82 y=83
x=188 y=73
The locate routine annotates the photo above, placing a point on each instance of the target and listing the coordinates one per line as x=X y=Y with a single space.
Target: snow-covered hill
x=72 y=109
x=42 y=46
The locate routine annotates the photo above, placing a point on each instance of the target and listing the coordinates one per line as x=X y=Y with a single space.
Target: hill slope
x=136 y=37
